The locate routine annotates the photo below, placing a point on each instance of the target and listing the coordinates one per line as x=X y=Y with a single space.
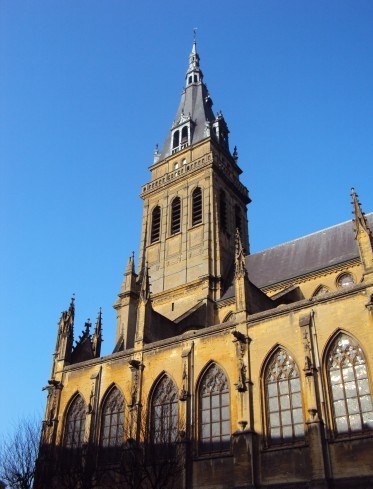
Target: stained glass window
x=214 y=415
x=75 y=424
x=112 y=421
x=349 y=386
x=283 y=399
x=164 y=412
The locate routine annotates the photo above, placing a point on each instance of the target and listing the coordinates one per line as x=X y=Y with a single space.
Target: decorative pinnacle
x=240 y=265
x=359 y=216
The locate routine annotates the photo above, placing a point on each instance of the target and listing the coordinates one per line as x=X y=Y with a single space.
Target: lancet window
x=156 y=224
x=175 y=215
x=75 y=424
x=283 y=399
x=164 y=412
x=214 y=415
x=351 y=399
x=112 y=419
x=196 y=206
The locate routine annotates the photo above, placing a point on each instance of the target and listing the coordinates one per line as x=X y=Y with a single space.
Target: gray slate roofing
x=195 y=103
x=304 y=255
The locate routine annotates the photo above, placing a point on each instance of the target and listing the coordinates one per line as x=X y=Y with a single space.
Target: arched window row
x=349 y=399
x=176 y=215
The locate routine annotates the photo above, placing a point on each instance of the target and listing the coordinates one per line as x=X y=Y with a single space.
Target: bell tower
x=193 y=204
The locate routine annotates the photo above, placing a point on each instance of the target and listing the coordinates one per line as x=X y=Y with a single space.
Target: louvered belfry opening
x=197 y=206
x=156 y=224
x=175 y=215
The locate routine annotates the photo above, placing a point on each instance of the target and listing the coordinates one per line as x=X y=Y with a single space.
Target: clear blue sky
x=88 y=87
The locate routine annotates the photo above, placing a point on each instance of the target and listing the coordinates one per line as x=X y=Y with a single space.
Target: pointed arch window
x=75 y=424
x=284 y=412
x=176 y=140
x=184 y=136
x=351 y=399
x=175 y=215
x=156 y=224
x=214 y=415
x=112 y=419
x=223 y=211
x=164 y=412
x=196 y=206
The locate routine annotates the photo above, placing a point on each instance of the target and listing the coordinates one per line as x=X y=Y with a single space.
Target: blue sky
x=87 y=88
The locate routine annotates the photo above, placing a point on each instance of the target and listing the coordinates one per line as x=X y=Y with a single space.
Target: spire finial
x=195 y=35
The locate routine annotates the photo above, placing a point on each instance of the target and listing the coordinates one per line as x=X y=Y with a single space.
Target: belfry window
x=196 y=206
x=75 y=424
x=223 y=211
x=176 y=140
x=184 y=136
x=283 y=399
x=214 y=416
x=164 y=412
x=156 y=224
x=351 y=400
x=112 y=421
x=175 y=215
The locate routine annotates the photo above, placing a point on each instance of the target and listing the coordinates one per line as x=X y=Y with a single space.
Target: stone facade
x=262 y=385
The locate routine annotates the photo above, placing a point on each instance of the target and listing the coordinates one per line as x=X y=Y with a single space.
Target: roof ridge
x=307 y=235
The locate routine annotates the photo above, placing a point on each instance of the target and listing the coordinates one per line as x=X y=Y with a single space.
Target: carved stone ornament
x=135 y=367
x=240 y=341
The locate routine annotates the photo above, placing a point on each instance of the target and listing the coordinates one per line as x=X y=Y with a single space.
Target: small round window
x=345 y=280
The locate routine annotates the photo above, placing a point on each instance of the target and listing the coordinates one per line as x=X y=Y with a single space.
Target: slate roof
x=307 y=254
x=194 y=102
x=310 y=253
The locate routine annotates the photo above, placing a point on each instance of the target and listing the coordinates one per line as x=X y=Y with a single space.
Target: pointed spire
x=360 y=221
x=131 y=264
x=240 y=264
x=97 y=336
x=194 y=73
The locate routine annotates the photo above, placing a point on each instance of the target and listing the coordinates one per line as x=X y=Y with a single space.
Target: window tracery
x=349 y=386
x=75 y=424
x=214 y=415
x=283 y=399
x=112 y=420
x=164 y=412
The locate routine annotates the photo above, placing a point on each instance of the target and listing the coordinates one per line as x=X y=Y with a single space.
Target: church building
x=229 y=369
